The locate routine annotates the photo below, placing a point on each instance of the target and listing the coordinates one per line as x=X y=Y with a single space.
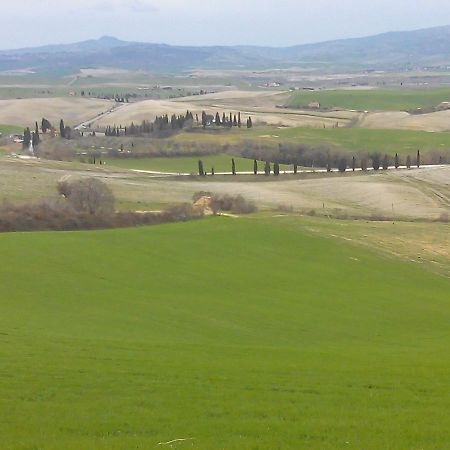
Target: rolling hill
x=394 y=50
x=228 y=333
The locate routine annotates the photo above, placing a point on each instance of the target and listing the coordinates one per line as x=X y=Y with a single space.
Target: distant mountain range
x=395 y=50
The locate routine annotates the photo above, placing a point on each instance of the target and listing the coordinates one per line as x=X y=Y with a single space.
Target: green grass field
x=187 y=164
x=10 y=129
x=371 y=100
x=353 y=139
x=244 y=333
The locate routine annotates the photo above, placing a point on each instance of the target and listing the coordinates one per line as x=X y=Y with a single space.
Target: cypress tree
x=408 y=162
x=35 y=139
x=418 y=159
x=233 y=166
x=267 y=169
x=385 y=162
x=239 y=120
x=397 y=161
x=217 y=119
x=249 y=122
x=201 y=172
x=62 y=128
x=26 y=137
x=295 y=169
x=255 y=167
x=276 y=169
x=353 y=164
x=376 y=161
x=212 y=171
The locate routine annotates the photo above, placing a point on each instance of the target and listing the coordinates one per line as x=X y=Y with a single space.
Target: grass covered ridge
x=371 y=100
x=238 y=333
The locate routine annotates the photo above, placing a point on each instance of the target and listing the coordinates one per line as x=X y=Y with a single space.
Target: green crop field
x=187 y=164
x=371 y=100
x=353 y=139
x=10 y=129
x=246 y=333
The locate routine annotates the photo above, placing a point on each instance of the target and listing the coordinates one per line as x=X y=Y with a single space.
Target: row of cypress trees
x=377 y=163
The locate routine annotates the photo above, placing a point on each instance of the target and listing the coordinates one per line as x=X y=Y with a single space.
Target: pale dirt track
x=25 y=112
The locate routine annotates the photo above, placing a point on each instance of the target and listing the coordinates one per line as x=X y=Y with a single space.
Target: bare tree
x=89 y=195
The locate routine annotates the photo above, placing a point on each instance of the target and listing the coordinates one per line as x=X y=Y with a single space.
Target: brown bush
x=89 y=195
x=58 y=214
x=236 y=204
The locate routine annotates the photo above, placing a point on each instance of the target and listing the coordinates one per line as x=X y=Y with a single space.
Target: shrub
x=89 y=195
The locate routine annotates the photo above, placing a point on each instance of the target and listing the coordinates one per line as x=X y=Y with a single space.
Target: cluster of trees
x=31 y=137
x=160 y=124
x=226 y=120
x=83 y=204
x=64 y=131
x=165 y=125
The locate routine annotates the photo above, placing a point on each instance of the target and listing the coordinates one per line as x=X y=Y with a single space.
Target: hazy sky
x=207 y=22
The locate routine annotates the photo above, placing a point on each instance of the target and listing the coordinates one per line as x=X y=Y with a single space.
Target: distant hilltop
x=406 y=50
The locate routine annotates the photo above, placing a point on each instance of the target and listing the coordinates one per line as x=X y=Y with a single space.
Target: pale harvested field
x=423 y=193
x=25 y=112
x=437 y=121
x=262 y=106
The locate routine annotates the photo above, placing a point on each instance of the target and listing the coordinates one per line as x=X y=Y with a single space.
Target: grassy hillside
x=371 y=100
x=10 y=129
x=240 y=334
x=188 y=164
x=354 y=139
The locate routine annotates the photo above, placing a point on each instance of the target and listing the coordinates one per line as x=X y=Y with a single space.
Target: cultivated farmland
x=227 y=333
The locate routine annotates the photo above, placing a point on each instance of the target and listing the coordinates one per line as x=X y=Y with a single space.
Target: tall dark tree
x=212 y=171
x=328 y=163
x=249 y=123
x=217 y=119
x=233 y=166
x=276 y=169
x=353 y=164
x=201 y=172
x=376 y=161
x=36 y=128
x=68 y=132
x=267 y=169
x=255 y=167
x=45 y=125
x=408 y=162
x=239 y=120
x=418 y=159
x=397 y=161
x=385 y=162
x=35 y=140
x=26 y=138
x=342 y=165
x=204 y=120
x=62 y=128
x=295 y=169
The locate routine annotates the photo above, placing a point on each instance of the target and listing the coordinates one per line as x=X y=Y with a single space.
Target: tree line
x=166 y=125
x=342 y=165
